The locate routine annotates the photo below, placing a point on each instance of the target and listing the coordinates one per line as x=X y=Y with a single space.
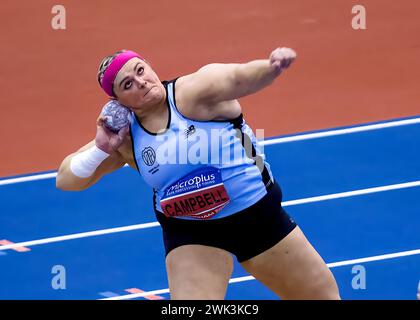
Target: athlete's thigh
x=198 y=272
x=293 y=269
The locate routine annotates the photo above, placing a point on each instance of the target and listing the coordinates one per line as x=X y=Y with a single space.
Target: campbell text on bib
x=201 y=194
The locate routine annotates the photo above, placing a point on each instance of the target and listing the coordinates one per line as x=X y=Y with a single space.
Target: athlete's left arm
x=214 y=83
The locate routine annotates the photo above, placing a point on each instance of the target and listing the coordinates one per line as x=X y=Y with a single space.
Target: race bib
x=201 y=194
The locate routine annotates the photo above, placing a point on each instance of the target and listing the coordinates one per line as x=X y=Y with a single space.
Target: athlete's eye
x=127 y=85
x=140 y=70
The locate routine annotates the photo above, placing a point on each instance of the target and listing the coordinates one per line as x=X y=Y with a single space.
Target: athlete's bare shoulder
x=126 y=151
x=191 y=106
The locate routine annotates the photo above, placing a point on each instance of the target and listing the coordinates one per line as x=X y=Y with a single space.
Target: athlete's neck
x=155 y=118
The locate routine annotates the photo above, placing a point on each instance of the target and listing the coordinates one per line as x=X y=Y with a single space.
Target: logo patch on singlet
x=201 y=194
x=149 y=156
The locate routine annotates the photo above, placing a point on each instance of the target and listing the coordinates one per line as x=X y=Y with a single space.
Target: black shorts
x=245 y=234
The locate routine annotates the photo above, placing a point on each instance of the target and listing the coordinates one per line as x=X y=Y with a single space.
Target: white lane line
x=155 y=224
x=80 y=235
x=338 y=132
x=374 y=258
x=299 y=137
x=352 y=193
x=28 y=178
x=249 y=278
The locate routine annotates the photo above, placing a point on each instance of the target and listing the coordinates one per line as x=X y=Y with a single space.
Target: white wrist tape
x=85 y=163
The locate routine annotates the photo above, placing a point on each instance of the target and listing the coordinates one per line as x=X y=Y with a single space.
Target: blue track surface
x=340 y=229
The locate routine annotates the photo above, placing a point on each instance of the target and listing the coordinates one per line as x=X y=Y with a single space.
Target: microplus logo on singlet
x=200 y=195
x=198 y=181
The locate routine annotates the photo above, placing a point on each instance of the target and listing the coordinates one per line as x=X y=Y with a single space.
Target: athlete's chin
x=144 y=104
x=154 y=97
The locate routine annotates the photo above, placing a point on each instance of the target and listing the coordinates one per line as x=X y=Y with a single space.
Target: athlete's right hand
x=105 y=139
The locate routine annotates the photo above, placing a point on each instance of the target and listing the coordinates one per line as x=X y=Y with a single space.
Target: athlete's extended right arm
x=85 y=167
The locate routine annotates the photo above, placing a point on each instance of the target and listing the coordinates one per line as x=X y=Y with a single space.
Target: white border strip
x=249 y=278
x=156 y=224
x=299 y=137
x=28 y=178
x=338 y=132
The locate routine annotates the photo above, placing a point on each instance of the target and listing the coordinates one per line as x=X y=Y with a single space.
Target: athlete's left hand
x=281 y=58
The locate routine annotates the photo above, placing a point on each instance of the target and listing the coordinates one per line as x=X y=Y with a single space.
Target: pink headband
x=112 y=70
